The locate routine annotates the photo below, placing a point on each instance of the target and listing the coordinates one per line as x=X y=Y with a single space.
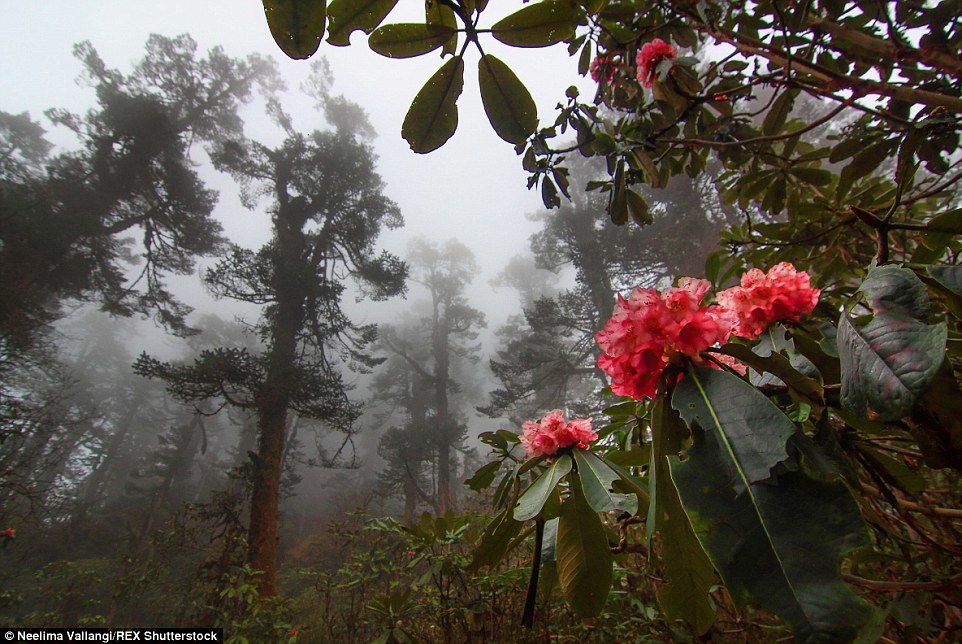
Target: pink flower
x=552 y=433
x=761 y=299
x=603 y=68
x=9 y=533
x=650 y=55
x=650 y=330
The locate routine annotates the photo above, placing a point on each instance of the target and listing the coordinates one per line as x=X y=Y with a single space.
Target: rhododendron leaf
x=948 y=276
x=893 y=289
x=596 y=477
x=938 y=419
x=584 y=556
x=890 y=361
x=942 y=229
x=549 y=194
x=534 y=498
x=637 y=457
x=618 y=200
x=433 y=116
x=408 y=39
x=684 y=562
x=774 y=534
x=507 y=490
x=638 y=208
x=894 y=472
x=549 y=541
x=436 y=13
x=948 y=281
x=507 y=102
x=801 y=386
x=538 y=25
x=778 y=113
x=296 y=25
x=689 y=571
x=347 y=16
x=484 y=477
x=754 y=431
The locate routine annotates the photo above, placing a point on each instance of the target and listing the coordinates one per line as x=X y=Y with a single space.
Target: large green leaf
x=890 y=361
x=534 y=498
x=689 y=572
x=436 y=13
x=892 y=289
x=433 y=116
x=777 y=539
x=507 y=102
x=408 y=39
x=596 y=477
x=942 y=229
x=347 y=16
x=584 y=556
x=948 y=276
x=484 y=477
x=538 y=25
x=754 y=431
x=296 y=25
x=778 y=113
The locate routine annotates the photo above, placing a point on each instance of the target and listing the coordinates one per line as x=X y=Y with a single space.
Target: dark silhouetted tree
x=67 y=222
x=327 y=209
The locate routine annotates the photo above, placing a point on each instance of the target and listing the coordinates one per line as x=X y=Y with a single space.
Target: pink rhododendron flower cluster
x=603 y=68
x=761 y=299
x=553 y=433
x=650 y=54
x=650 y=330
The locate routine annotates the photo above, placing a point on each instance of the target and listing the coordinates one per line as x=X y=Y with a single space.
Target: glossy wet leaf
x=436 y=13
x=507 y=102
x=777 y=539
x=890 y=361
x=433 y=116
x=596 y=478
x=949 y=277
x=408 y=39
x=778 y=113
x=484 y=477
x=689 y=573
x=296 y=25
x=534 y=498
x=584 y=556
x=538 y=25
x=348 y=16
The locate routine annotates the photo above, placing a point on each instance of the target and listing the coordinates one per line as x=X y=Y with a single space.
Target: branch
x=896 y=586
x=883 y=48
x=859 y=86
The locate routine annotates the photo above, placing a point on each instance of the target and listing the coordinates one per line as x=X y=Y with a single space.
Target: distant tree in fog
x=327 y=209
x=421 y=377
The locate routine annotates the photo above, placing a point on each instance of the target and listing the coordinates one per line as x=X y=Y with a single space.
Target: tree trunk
x=265 y=493
x=444 y=424
x=274 y=399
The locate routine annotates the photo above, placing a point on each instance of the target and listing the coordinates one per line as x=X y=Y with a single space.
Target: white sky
x=473 y=188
